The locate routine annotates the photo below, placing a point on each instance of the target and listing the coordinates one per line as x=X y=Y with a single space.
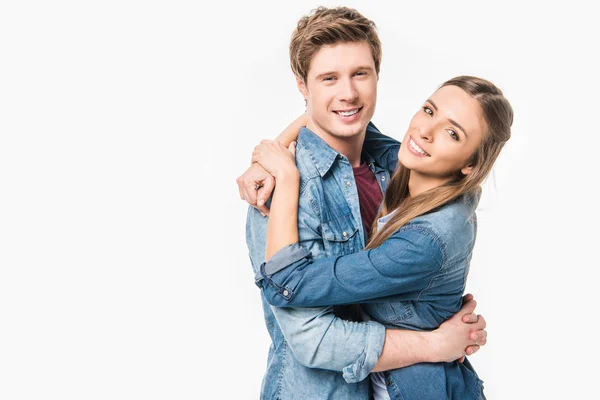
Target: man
x=335 y=55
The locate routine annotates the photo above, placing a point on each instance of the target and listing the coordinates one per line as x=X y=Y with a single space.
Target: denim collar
x=322 y=155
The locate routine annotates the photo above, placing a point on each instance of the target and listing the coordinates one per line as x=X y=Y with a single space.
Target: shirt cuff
x=360 y=369
x=285 y=257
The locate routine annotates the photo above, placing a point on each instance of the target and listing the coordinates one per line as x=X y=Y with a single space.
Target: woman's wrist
x=287 y=174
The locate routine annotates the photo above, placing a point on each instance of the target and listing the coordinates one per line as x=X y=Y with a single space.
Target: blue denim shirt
x=414 y=280
x=313 y=352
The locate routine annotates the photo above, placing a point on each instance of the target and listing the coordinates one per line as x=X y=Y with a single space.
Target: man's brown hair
x=329 y=26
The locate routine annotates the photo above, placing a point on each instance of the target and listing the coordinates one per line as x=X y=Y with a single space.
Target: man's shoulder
x=305 y=163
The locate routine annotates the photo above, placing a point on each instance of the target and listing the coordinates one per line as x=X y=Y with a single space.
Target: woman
x=413 y=271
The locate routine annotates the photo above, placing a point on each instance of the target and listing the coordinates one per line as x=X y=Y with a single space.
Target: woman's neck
x=418 y=183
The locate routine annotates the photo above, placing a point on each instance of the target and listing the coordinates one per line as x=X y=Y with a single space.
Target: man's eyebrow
x=361 y=68
x=325 y=74
x=453 y=122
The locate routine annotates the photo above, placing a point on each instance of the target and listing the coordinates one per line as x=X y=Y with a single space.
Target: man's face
x=341 y=90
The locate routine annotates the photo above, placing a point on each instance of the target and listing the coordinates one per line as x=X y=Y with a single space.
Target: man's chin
x=350 y=130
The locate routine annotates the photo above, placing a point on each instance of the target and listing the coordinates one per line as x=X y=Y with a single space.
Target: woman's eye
x=453 y=134
x=428 y=110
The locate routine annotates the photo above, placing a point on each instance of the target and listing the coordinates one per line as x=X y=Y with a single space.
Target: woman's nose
x=426 y=133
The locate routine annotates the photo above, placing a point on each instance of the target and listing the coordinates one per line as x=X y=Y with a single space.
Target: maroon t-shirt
x=369 y=195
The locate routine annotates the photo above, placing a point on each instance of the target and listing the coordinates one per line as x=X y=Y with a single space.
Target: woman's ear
x=467 y=170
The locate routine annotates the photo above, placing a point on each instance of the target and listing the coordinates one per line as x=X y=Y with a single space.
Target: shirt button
x=383 y=178
x=349 y=183
x=286 y=293
x=345 y=234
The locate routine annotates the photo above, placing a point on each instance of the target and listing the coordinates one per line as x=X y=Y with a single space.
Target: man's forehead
x=341 y=57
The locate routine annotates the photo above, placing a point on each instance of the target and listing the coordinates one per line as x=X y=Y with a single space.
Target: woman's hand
x=275 y=157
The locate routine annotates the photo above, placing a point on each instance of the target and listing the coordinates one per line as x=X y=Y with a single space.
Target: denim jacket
x=314 y=352
x=414 y=280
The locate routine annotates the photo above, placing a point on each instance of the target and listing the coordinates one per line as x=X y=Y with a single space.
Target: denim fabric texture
x=415 y=280
x=313 y=352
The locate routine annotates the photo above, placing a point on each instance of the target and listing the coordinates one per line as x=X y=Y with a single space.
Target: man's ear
x=302 y=87
x=467 y=170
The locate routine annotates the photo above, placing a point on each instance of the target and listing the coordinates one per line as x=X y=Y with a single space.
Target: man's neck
x=350 y=147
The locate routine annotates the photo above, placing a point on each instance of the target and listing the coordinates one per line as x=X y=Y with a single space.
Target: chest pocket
x=340 y=236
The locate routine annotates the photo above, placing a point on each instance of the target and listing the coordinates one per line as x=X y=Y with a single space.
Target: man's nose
x=348 y=90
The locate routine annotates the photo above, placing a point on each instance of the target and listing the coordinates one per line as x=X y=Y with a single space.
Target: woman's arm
x=282 y=228
x=290 y=133
x=256 y=184
x=402 y=267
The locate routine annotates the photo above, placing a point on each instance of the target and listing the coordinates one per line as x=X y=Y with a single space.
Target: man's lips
x=348 y=112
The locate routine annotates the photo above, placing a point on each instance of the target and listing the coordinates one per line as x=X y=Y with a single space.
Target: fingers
x=480 y=337
x=470 y=318
x=470 y=350
x=467 y=297
x=250 y=194
x=239 y=183
x=256 y=155
x=468 y=307
x=292 y=148
x=481 y=323
x=265 y=191
x=249 y=191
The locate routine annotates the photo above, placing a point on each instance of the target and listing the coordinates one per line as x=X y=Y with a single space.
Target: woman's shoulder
x=451 y=221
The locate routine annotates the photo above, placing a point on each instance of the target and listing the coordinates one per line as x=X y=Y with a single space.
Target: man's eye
x=361 y=73
x=453 y=134
x=428 y=110
x=328 y=78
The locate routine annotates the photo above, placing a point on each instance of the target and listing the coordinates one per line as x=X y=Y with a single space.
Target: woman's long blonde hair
x=498 y=115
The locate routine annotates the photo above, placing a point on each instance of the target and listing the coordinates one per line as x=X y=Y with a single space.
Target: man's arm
x=383 y=149
x=319 y=339
x=441 y=345
x=316 y=336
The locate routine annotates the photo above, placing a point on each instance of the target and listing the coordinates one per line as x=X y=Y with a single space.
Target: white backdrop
x=123 y=267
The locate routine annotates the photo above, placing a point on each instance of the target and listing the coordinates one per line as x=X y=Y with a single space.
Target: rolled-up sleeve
x=316 y=336
x=319 y=339
x=402 y=267
x=286 y=256
x=361 y=368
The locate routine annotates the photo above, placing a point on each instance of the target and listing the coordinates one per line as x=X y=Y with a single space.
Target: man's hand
x=255 y=186
x=461 y=335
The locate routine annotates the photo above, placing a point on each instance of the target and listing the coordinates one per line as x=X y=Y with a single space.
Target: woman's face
x=442 y=136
